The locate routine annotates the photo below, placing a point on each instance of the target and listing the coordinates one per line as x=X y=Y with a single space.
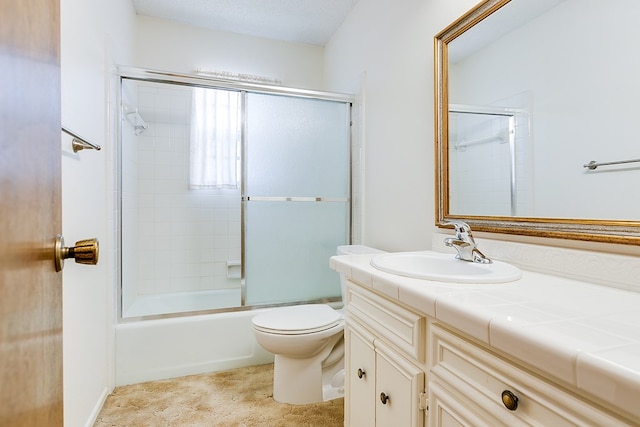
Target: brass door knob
x=361 y=373
x=84 y=252
x=510 y=400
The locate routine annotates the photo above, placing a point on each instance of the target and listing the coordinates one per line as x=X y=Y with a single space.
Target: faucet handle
x=462 y=228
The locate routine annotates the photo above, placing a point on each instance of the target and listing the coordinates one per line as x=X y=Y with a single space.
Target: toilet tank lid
x=298 y=318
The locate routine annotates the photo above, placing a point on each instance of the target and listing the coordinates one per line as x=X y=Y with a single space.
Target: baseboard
x=98 y=407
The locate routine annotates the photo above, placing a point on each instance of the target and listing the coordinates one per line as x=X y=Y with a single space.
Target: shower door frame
x=510 y=114
x=155 y=76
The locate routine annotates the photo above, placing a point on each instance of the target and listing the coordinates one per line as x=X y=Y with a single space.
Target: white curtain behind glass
x=215 y=139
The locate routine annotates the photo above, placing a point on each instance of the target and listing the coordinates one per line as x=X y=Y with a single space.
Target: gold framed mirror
x=528 y=96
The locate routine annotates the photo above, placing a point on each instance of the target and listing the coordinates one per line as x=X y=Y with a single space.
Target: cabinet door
x=360 y=379
x=399 y=385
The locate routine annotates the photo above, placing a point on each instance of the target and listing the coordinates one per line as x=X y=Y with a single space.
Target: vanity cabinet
x=471 y=386
x=404 y=369
x=385 y=377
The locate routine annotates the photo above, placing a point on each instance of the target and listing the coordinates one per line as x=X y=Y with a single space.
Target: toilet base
x=300 y=381
x=296 y=381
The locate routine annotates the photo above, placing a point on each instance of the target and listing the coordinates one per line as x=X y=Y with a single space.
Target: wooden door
x=30 y=214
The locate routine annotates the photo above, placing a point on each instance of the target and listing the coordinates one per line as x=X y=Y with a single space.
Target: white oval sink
x=444 y=268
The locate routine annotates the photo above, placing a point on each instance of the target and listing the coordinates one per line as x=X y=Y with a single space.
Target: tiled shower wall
x=185 y=237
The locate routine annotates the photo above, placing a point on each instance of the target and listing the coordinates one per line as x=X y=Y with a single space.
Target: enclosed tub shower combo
x=233 y=197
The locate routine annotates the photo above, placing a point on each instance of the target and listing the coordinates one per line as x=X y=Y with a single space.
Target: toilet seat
x=298 y=319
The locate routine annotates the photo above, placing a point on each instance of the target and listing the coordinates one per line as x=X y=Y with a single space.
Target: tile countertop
x=585 y=335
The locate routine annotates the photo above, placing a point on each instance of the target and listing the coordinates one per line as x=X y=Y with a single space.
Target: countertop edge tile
x=386 y=286
x=361 y=277
x=609 y=381
x=470 y=320
x=413 y=296
x=539 y=351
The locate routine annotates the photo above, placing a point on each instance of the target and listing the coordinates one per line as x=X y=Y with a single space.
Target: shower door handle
x=84 y=252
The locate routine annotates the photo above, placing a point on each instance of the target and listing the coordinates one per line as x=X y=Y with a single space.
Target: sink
x=444 y=268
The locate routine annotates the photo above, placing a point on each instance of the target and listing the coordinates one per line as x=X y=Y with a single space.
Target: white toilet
x=308 y=344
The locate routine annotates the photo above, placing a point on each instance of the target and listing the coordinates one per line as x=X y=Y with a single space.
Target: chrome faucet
x=464 y=244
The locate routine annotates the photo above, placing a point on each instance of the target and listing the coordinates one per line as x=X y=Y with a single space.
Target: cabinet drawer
x=402 y=327
x=480 y=378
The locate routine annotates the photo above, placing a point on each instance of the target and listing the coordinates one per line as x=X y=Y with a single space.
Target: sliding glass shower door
x=229 y=197
x=296 y=203
x=180 y=215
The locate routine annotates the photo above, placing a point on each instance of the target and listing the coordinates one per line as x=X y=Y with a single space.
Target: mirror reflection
x=533 y=100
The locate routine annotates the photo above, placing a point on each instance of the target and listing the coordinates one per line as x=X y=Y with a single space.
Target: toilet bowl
x=308 y=343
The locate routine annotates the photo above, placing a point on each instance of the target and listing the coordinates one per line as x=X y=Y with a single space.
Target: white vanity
x=541 y=350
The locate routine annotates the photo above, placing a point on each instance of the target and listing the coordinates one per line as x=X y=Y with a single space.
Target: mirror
x=528 y=96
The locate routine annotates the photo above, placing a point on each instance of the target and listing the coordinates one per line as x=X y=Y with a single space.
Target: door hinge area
x=424 y=401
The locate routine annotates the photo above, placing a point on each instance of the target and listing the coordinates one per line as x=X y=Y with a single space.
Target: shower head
x=138 y=123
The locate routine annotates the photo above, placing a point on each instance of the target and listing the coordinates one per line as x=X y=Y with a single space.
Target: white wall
x=95 y=34
x=172 y=46
x=388 y=47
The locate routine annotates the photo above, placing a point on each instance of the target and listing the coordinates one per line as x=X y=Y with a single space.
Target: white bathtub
x=149 y=350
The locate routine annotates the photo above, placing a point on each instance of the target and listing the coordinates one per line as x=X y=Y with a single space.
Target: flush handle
x=84 y=252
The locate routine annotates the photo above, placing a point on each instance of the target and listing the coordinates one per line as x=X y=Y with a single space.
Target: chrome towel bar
x=292 y=199
x=593 y=164
x=78 y=143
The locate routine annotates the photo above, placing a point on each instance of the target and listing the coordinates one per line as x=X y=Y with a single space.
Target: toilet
x=308 y=344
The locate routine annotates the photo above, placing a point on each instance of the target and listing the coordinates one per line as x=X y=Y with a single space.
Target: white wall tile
x=187 y=236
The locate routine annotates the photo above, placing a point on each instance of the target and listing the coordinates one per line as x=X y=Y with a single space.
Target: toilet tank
x=353 y=250
x=357 y=249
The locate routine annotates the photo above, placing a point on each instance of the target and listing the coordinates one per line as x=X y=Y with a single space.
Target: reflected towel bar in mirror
x=462 y=145
x=593 y=164
x=78 y=143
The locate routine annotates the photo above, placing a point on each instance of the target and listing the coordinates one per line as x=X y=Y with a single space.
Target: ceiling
x=297 y=21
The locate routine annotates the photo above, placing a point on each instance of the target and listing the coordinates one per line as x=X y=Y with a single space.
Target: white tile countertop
x=584 y=335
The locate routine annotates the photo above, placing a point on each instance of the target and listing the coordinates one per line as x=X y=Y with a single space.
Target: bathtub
x=149 y=350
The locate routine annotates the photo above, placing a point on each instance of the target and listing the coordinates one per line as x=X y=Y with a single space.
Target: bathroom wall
x=94 y=35
x=172 y=46
x=386 y=49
